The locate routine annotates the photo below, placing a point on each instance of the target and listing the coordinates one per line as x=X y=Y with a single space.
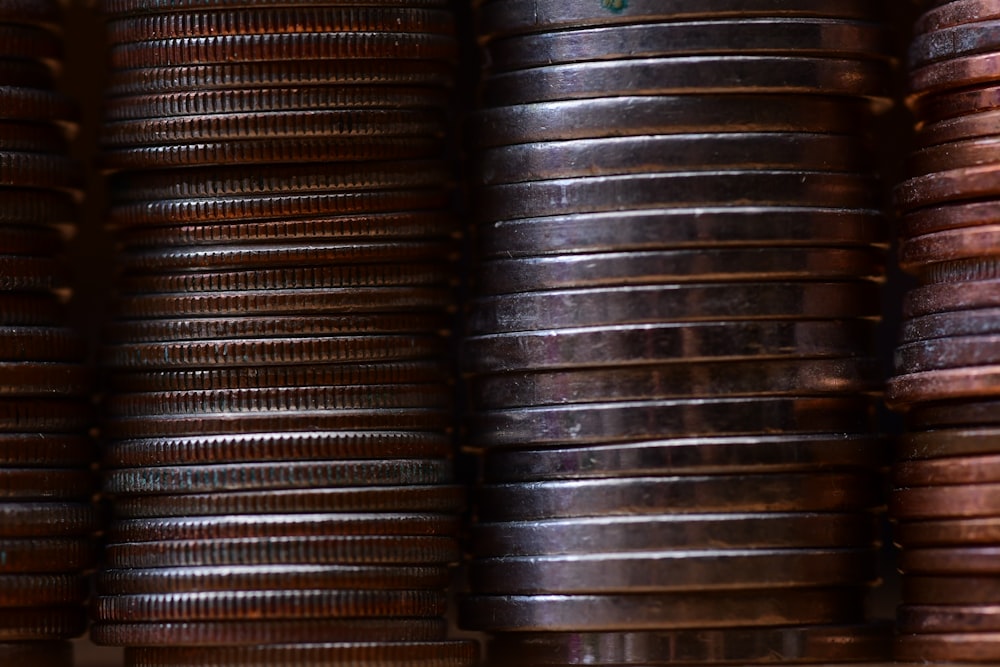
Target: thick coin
x=948 y=245
x=47 y=519
x=953 y=470
x=605 y=535
x=661 y=343
x=284 y=475
x=265 y=605
x=23 y=136
x=944 y=325
x=696 y=456
x=677 y=380
x=42 y=590
x=777 y=75
x=44 y=450
x=54 y=623
x=30 y=274
x=964 y=647
x=547 y=15
x=44 y=415
x=945 y=297
x=30 y=309
x=744 y=36
x=658 y=304
x=670 y=571
x=975 y=560
x=246 y=526
x=505 y=276
x=946 y=501
x=139 y=7
x=721 y=227
x=39 y=170
x=954 y=41
x=277 y=577
x=949 y=590
x=34 y=103
x=373 y=654
x=948 y=442
x=41 y=555
x=789 y=492
x=40 y=344
x=950 y=352
x=947 y=186
x=941 y=619
x=26 y=74
x=967 y=412
x=34 y=207
x=24 y=378
x=39 y=654
x=958 y=129
x=954 y=74
x=968 y=269
x=409 y=498
x=26 y=484
x=953 y=532
x=625 y=116
x=43 y=12
x=30 y=42
x=276 y=446
x=805 y=644
x=597 y=423
x=956 y=12
x=675 y=189
x=657 y=611
x=958 y=103
x=251 y=632
x=953 y=155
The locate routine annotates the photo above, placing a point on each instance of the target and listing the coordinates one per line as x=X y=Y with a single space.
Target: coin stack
x=670 y=353
x=946 y=499
x=278 y=426
x=46 y=484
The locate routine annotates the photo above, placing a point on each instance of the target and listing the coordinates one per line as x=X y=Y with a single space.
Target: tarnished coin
x=956 y=531
x=953 y=470
x=47 y=555
x=929 y=502
x=38 y=653
x=45 y=625
x=377 y=654
x=941 y=619
x=47 y=519
x=967 y=561
x=955 y=41
x=949 y=590
x=948 y=442
x=965 y=647
x=42 y=590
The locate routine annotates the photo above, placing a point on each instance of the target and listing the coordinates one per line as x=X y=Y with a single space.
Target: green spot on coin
x=616 y=6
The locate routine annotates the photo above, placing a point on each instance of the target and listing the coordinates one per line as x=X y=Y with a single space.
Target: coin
x=42 y=654
x=948 y=442
x=953 y=470
x=389 y=654
x=955 y=530
x=943 y=619
x=973 y=560
x=42 y=590
x=948 y=590
x=46 y=625
x=967 y=647
x=943 y=43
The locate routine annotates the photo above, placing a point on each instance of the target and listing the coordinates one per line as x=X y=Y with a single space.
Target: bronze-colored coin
x=232 y=352
x=23 y=378
x=33 y=137
x=946 y=501
x=943 y=325
x=670 y=571
x=696 y=456
x=505 y=276
x=671 y=303
x=376 y=654
x=278 y=399
x=42 y=12
x=954 y=74
x=949 y=590
x=622 y=534
x=42 y=590
x=805 y=644
x=265 y=605
x=44 y=415
x=283 y=475
x=276 y=149
x=25 y=484
x=726 y=227
x=958 y=103
x=948 y=442
x=956 y=12
x=947 y=186
x=32 y=103
x=263 y=526
x=280 y=74
x=946 y=619
x=42 y=625
x=666 y=342
x=24 y=450
x=674 y=189
x=311 y=550
x=305 y=445
x=39 y=170
x=956 y=41
x=952 y=470
x=40 y=654
x=33 y=207
x=263 y=20
x=47 y=519
x=30 y=309
x=382 y=45
x=25 y=74
x=967 y=412
x=30 y=274
x=950 y=216
x=788 y=492
x=679 y=380
x=375 y=226
x=38 y=555
x=30 y=42
x=956 y=531
x=958 y=154
x=964 y=647
x=968 y=561
x=969 y=269
x=625 y=116
x=659 y=611
x=597 y=423
x=179 y=426
x=945 y=297
x=499 y=18
x=947 y=245
x=409 y=498
x=400 y=374
x=277 y=577
x=670 y=152
x=139 y=7
x=950 y=352
x=252 y=632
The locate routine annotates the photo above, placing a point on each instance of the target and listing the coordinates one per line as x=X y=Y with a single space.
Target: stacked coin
x=948 y=359
x=278 y=427
x=670 y=354
x=46 y=482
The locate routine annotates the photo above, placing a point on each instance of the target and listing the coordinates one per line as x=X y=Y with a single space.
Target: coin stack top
x=669 y=355
x=947 y=358
x=278 y=430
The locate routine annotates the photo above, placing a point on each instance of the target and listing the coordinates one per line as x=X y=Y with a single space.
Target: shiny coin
x=968 y=561
x=957 y=531
x=946 y=501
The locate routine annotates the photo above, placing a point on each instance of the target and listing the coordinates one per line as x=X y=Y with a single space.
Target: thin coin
x=968 y=412
x=954 y=532
x=975 y=560
x=952 y=470
x=954 y=74
x=956 y=12
x=964 y=647
x=970 y=269
x=949 y=590
x=40 y=344
x=947 y=186
x=45 y=450
x=669 y=571
x=42 y=625
x=24 y=378
x=42 y=590
x=696 y=456
x=950 y=352
x=598 y=423
x=608 y=535
x=40 y=654
x=942 y=619
x=788 y=492
x=40 y=555
x=943 y=325
x=27 y=484
x=949 y=105
x=265 y=605
x=945 y=43
x=658 y=304
x=806 y=644
x=944 y=297
x=948 y=245
x=134 y=7
x=657 y=611
x=376 y=654
x=948 y=442
x=951 y=155
x=251 y=632
x=946 y=501
x=47 y=519
x=660 y=343
x=44 y=415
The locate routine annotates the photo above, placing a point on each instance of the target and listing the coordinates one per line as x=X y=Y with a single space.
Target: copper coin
x=941 y=619
x=954 y=74
x=950 y=352
x=42 y=590
x=976 y=560
x=46 y=555
x=134 y=7
x=44 y=415
x=45 y=625
x=47 y=519
x=26 y=484
x=946 y=501
x=964 y=647
x=949 y=590
x=958 y=103
x=944 y=297
x=948 y=442
x=967 y=412
x=385 y=654
x=40 y=654
x=36 y=449
x=24 y=378
x=948 y=245
x=955 y=41
x=957 y=530
x=944 y=325
x=40 y=344
x=952 y=470
x=950 y=216
x=956 y=12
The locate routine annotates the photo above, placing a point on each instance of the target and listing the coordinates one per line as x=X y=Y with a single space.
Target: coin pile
x=670 y=355
x=277 y=434
x=46 y=515
x=947 y=496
